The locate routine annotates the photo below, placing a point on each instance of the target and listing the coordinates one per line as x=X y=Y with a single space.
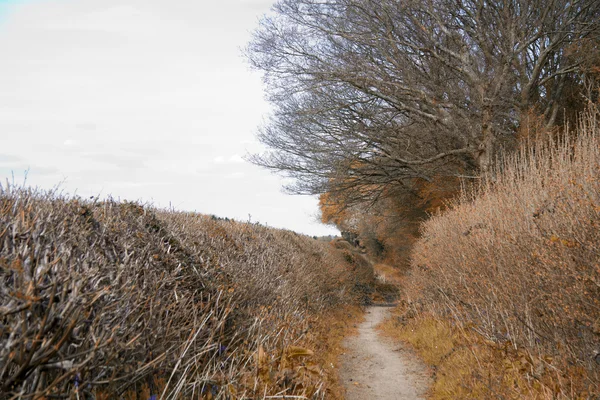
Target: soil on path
x=374 y=368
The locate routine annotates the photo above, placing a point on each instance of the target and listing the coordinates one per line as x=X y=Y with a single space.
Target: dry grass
x=465 y=365
x=517 y=264
x=388 y=273
x=105 y=300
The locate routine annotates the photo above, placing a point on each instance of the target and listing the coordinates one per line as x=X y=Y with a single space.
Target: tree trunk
x=485 y=148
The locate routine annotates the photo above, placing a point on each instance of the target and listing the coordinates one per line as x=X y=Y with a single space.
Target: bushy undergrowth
x=104 y=300
x=518 y=262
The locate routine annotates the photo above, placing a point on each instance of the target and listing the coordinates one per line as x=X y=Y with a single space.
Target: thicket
x=517 y=262
x=102 y=300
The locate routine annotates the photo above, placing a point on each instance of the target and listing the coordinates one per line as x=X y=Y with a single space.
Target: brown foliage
x=107 y=300
x=388 y=227
x=434 y=194
x=334 y=212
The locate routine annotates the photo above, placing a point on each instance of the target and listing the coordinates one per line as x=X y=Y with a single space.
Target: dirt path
x=373 y=368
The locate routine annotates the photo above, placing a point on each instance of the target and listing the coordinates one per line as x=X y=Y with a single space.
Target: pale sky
x=143 y=100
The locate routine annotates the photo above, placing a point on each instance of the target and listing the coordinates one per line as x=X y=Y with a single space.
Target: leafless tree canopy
x=373 y=93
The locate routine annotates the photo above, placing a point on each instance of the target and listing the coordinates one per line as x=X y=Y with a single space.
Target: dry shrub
x=287 y=282
x=96 y=296
x=271 y=267
x=519 y=259
x=107 y=300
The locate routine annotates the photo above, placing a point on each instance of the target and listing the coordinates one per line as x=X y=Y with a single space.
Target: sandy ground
x=374 y=368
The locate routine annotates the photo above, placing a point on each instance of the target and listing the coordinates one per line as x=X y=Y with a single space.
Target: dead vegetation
x=103 y=300
x=509 y=278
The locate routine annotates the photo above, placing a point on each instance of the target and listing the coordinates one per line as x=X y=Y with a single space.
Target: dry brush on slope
x=519 y=263
x=104 y=300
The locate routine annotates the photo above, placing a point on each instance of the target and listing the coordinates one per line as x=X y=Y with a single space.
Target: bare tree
x=373 y=93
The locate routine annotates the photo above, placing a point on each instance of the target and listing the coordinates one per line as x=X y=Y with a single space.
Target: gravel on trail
x=373 y=368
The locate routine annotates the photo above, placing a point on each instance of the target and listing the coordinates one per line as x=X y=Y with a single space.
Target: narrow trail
x=374 y=368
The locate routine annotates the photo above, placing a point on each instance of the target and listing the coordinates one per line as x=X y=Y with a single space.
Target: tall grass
x=104 y=300
x=518 y=261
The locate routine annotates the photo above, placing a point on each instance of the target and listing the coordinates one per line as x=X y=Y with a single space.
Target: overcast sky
x=140 y=99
